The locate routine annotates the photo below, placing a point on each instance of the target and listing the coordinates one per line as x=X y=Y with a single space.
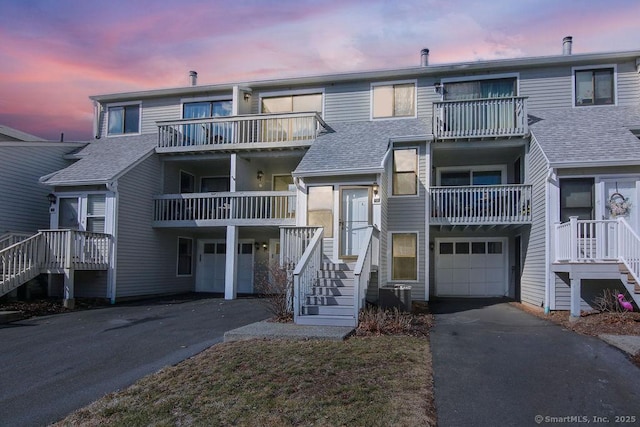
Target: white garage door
x=471 y=267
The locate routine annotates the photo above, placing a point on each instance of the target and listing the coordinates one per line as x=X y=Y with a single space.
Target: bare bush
x=607 y=302
x=378 y=321
x=276 y=286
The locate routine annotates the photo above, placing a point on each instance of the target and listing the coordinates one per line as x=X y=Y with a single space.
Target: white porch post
x=573 y=242
x=69 y=298
x=231 y=265
x=576 y=282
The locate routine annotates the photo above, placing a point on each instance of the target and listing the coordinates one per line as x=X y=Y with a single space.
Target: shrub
x=275 y=285
x=608 y=301
x=377 y=321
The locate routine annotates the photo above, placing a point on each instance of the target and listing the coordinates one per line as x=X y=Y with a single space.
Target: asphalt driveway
x=497 y=365
x=52 y=365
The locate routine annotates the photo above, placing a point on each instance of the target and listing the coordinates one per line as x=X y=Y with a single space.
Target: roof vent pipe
x=566 y=45
x=424 y=57
x=193 y=78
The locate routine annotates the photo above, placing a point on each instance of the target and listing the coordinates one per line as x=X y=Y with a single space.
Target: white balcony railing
x=481 y=204
x=587 y=240
x=480 y=118
x=238 y=131
x=227 y=207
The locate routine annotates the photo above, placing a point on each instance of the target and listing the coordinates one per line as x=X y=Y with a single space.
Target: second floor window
x=292 y=103
x=480 y=89
x=124 y=119
x=405 y=172
x=594 y=87
x=198 y=110
x=394 y=100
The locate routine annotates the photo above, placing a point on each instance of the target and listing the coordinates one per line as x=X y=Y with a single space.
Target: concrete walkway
x=497 y=365
x=53 y=365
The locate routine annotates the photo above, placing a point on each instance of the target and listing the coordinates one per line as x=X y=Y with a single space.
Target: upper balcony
x=481 y=205
x=253 y=208
x=480 y=118
x=251 y=132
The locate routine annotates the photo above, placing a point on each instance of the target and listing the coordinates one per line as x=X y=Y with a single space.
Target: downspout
x=111 y=275
x=550 y=239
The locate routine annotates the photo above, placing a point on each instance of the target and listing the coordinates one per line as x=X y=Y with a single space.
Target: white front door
x=355 y=218
x=620 y=201
x=211 y=265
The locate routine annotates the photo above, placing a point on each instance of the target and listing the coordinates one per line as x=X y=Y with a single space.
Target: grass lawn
x=363 y=381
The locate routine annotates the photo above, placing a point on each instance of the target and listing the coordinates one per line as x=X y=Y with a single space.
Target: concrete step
x=329 y=300
x=320 y=320
x=332 y=291
x=328 y=310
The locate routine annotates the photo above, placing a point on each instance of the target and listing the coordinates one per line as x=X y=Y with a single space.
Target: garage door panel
x=476 y=268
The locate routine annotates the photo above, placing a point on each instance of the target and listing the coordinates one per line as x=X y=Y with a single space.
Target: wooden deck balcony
x=480 y=118
x=228 y=208
x=481 y=205
x=258 y=131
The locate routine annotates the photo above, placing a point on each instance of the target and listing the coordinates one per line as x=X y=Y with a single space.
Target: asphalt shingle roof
x=587 y=134
x=104 y=159
x=357 y=145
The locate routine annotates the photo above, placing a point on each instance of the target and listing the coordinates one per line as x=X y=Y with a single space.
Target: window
x=292 y=103
x=320 y=208
x=393 y=100
x=96 y=209
x=200 y=133
x=68 y=213
x=213 y=184
x=404 y=253
x=576 y=198
x=185 y=256
x=187 y=182
x=405 y=172
x=470 y=177
x=124 y=119
x=594 y=87
x=480 y=89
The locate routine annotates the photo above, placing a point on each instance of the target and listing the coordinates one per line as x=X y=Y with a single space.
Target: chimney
x=193 y=78
x=424 y=57
x=566 y=45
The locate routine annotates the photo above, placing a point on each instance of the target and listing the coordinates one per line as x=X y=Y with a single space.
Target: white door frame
x=341 y=220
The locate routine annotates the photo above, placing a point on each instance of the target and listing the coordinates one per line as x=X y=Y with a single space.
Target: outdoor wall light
x=257 y=245
x=437 y=87
x=247 y=96
x=259 y=177
x=51 y=198
x=375 y=189
x=265 y=246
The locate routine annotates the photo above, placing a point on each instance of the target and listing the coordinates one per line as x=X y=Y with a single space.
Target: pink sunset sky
x=54 y=54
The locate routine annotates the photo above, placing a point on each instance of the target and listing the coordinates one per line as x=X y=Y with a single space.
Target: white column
x=576 y=282
x=231 y=271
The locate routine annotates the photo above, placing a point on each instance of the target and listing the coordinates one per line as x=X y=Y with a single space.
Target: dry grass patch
x=368 y=381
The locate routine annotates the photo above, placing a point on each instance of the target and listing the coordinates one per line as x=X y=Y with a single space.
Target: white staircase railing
x=52 y=251
x=363 y=269
x=293 y=243
x=11 y=238
x=306 y=271
x=629 y=249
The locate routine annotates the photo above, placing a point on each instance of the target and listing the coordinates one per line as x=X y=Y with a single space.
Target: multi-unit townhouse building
x=515 y=178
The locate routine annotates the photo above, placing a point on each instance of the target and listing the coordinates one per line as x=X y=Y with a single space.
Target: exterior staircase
x=630 y=283
x=330 y=300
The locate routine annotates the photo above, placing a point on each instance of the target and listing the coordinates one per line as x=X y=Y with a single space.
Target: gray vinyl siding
x=146 y=258
x=347 y=102
x=533 y=279
x=547 y=87
x=407 y=214
x=384 y=225
x=552 y=87
x=23 y=201
x=628 y=84
x=156 y=110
